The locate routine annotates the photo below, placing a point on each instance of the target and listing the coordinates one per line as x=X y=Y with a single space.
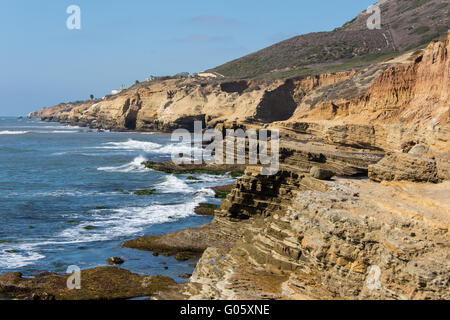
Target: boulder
x=419 y=150
x=321 y=174
x=405 y=167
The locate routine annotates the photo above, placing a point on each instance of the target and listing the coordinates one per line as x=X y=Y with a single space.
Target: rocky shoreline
x=378 y=229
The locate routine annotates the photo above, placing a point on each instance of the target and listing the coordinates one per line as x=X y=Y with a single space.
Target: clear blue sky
x=43 y=63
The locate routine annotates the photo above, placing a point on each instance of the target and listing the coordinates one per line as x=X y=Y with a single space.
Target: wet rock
x=115 y=261
x=96 y=284
x=145 y=192
x=186 y=244
x=212 y=169
x=206 y=209
x=185 y=276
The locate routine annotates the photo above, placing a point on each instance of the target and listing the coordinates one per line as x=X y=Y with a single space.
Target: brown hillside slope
x=406 y=24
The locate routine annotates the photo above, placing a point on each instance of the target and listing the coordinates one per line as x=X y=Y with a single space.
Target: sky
x=43 y=63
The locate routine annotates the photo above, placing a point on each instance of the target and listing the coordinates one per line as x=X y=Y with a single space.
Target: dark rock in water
x=155 y=254
x=185 y=276
x=185 y=256
x=145 y=192
x=100 y=208
x=115 y=261
x=19 y=117
x=188 y=244
x=321 y=174
x=223 y=191
x=212 y=169
x=206 y=209
x=105 y=283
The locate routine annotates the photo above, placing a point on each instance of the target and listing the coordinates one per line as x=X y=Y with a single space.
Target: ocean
x=67 y=197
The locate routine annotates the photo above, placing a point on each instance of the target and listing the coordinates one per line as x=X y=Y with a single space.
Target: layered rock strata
x=290 y=236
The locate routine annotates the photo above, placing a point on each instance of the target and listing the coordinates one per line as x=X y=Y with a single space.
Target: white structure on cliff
x=210 y=75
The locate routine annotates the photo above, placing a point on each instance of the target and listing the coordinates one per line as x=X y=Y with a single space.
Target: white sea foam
x=176 y=148
x=128 y=221
x=8 y=132
x=134 y=166
x=21 y=255
x=172 y=184
x=206 y=192
x=131 y=145
x=73 y=193
x=150 y=147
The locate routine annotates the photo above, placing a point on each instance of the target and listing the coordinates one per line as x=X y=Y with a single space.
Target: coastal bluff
x=378 y=229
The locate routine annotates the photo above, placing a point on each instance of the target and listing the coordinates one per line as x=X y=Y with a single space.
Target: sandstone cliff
x=290 y=236
x=379 y=107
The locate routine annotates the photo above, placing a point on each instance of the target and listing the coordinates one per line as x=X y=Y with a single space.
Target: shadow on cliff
x=277 y=105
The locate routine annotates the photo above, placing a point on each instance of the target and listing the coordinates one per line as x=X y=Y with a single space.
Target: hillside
x=406 y=24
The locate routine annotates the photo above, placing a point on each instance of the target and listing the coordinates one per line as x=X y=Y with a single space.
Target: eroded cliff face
x=342 y=239
x=291 y=236
x=380 y=107
x=165 y=105
x=297 y=237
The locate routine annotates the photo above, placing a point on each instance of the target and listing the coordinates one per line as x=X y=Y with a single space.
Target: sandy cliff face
x=382 y=106
x=176 y=103
x=342 y=239
x=296 y=237
x=414 y=95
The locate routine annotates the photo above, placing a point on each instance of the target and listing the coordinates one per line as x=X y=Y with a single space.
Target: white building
x=210 y=75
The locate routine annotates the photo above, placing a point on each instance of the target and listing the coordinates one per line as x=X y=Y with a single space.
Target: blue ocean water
x=53 y=180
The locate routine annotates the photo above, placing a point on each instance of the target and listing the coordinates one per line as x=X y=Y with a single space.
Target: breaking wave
x=131 y=145
x=134 y=166
x=150 y=147
x=18 y=255
x=174 y=185
x=129 y=221
x=7 y=132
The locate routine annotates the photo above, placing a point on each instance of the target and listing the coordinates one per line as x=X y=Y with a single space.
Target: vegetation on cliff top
x=405 y=25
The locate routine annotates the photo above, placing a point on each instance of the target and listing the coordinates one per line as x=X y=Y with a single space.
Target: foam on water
x=129 y=221
x=23 y=255
x=71 y=193
x=8 y=132
x=131 y=145
x=133 y=166
x=208 y=192
x=150 y=147
x=65 y=187
x=172 y=184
